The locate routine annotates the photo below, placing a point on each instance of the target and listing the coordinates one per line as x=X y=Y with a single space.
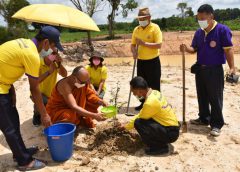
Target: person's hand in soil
x=120 y=126
x=99 y=117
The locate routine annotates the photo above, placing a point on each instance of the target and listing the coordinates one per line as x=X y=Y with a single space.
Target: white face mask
x=143 y=23
x=45 y=53
x=203 y=24
x=79 y=85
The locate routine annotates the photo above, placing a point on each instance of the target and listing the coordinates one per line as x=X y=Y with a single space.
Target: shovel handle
x=129 y=97
x=183 y=86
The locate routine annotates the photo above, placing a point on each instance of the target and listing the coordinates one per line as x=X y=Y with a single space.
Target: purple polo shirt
x=210 y=48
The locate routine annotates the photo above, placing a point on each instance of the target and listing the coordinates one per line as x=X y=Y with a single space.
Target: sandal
x=31 y=150
x=35 y=166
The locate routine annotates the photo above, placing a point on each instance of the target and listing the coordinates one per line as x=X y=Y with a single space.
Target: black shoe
x=157 y=151
x=138 y=108
x=32 y=150
x=199 y=122
x=36 y=120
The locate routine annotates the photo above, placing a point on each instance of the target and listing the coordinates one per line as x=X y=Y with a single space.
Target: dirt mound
x=109 y=140
x=121 y=47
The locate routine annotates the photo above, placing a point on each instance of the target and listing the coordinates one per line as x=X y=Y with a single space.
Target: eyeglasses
x=81 y=82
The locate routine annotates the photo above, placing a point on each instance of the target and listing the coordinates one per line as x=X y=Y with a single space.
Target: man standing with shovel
x=146 y=42
x=213 y=45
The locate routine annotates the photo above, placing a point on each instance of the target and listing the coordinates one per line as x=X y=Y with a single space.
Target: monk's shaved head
x=81 y=73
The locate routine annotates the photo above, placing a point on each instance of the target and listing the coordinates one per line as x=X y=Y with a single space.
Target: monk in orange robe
x=72 y=100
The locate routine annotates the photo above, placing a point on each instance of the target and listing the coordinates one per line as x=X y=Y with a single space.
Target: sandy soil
x=193 y=151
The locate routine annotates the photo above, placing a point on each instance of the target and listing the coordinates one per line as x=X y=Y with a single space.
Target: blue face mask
x=45 y=53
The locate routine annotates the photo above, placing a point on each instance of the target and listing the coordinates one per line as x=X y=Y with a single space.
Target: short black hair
x=138 y=83
x=76 y=70
x=206 y=8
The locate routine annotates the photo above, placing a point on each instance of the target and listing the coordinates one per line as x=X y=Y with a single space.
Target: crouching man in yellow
x=156 y=123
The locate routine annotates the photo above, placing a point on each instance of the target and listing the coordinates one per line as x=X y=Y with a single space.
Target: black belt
x=209 y=66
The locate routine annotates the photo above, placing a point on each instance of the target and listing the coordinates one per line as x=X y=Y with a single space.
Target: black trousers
x=150 y=70
x=10 y=126
x=210 y=85
x=155 y=135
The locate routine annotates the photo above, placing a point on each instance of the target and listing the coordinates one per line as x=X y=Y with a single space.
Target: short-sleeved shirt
x=157 y=108
x=97 y=75
x=210 y=46
x=47 y=85
x=16 y=58
x=151 y=34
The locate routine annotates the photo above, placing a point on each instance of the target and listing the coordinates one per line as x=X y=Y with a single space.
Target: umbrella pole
x=129 y=97
x=184 y=124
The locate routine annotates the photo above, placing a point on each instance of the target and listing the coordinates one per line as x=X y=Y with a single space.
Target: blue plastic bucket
x=60 y=140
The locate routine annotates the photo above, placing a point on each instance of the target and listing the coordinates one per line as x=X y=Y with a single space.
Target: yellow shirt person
x=156 y=123
x=151 y=34
x=157 y=108
x=145 y=47
x=98 y=73
x=16 y=58
x=50 y=67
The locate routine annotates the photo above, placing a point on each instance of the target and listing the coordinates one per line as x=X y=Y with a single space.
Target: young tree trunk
x=111 y=24
x=90 y=41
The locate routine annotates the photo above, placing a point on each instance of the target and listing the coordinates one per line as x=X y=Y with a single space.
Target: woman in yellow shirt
x=156 y=123
x=98 y=73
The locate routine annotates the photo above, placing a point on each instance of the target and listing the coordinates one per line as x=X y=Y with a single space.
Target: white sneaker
x=215 y=132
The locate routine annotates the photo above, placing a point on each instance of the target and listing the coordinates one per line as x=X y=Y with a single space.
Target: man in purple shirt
x=213 y=45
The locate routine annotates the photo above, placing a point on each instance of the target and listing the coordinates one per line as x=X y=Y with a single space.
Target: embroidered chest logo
x=213 y=44
x=148 y=37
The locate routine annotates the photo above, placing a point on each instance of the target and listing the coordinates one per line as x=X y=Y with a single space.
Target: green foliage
x=16 y=28
x=3 y=34
x=226 y=14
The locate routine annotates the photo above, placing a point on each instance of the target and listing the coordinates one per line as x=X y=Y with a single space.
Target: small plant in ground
x=114 y=100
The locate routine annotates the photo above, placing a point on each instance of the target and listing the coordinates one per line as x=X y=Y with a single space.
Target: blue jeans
x=10 y=126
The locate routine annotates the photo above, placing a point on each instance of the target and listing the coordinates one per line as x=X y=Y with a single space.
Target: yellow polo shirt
x=157 y=108
x=47 y=85
x=152 y=34
x=97 y=75
x=16 y=58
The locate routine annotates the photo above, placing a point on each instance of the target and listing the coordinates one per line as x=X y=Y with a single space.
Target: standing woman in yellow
x=98 y=73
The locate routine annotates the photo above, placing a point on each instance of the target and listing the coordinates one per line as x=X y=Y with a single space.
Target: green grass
x=77 y=36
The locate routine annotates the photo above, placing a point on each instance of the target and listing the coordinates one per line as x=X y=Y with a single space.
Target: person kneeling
x=156 y=123
x=68 y=101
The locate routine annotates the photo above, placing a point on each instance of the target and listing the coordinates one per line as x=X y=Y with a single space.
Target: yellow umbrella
x=57 y=15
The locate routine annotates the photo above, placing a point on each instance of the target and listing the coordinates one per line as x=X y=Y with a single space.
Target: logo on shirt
x=148 y=37
x=213 y=44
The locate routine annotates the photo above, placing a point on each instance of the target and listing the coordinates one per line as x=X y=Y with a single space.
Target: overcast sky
x=158 y=8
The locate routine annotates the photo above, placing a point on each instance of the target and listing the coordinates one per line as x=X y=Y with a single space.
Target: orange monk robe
x=59 y=110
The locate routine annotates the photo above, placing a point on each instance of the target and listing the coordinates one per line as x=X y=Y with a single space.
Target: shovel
x=184 y=123
x=129 y=97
